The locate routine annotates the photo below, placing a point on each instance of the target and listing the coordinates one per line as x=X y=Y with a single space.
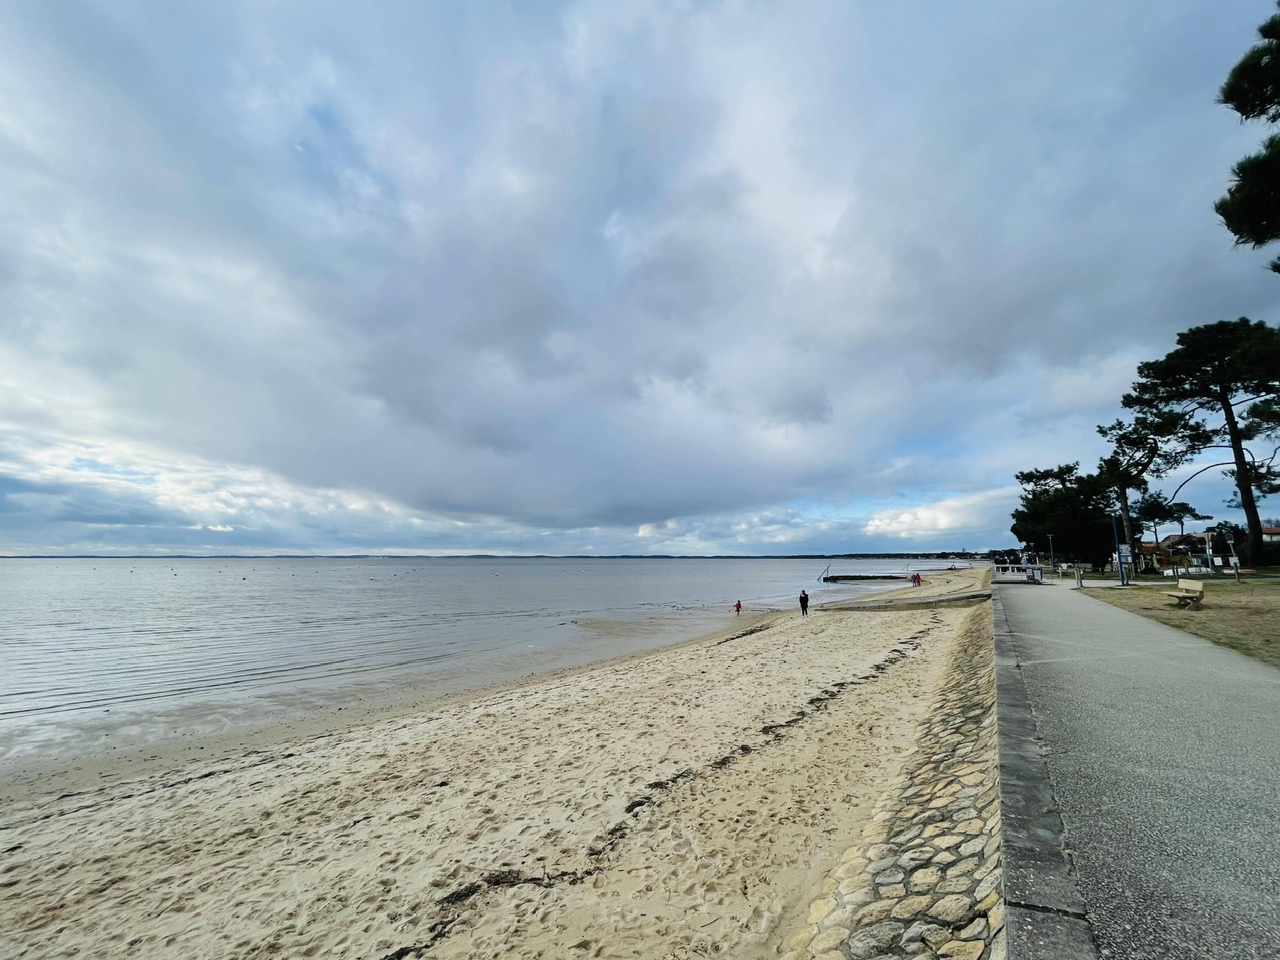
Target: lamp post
x=1052 y=565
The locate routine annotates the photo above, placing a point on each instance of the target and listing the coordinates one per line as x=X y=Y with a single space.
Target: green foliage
x=1229 y=358
x=1252 y=88
x=1156 y=510
x=1219 y=388
x=1251 y=208
x=1218 y=538
x=1265 y=414
x=1263 y=477
x=1076 y=508
x=1151 y=444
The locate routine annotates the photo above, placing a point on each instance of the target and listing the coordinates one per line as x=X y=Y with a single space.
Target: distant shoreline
x=926 y=555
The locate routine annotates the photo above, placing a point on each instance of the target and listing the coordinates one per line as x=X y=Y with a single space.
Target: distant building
x=1184 y=543
x=1180 y=549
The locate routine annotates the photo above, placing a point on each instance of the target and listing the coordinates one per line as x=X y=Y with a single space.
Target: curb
x=1047 y=919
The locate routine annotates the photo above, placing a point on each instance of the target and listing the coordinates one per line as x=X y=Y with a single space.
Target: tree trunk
x=1124 y=513
x=1123 y=492
x=1247 y=501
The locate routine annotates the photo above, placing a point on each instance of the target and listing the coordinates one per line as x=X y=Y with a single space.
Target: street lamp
x=1052 y=565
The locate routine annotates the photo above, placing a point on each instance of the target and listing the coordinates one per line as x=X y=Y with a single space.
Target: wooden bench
x=1189 y=593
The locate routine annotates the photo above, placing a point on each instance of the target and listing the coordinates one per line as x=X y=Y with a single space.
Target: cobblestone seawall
x=926 y=879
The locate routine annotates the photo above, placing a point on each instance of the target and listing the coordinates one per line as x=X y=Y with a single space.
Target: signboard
x=1126 y=553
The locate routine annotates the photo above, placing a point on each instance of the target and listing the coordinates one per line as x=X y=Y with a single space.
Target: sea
x=148 y=649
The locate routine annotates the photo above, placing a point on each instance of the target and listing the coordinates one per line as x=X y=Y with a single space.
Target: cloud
x=628 y=277
x=944 y=519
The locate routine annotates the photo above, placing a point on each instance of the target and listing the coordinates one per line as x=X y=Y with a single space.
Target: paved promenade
x=1140 y=779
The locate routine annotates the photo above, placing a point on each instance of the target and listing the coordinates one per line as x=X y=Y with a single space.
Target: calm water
x=115 y=644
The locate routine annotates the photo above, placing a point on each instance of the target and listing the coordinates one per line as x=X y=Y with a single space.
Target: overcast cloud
x=593 y=277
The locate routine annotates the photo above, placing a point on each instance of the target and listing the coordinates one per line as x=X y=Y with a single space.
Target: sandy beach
x=682 y=803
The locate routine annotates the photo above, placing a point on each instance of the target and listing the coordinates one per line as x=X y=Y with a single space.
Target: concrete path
x=1140 y=771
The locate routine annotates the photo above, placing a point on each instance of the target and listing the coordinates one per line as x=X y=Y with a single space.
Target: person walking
x=804 y=604
x=737 y=608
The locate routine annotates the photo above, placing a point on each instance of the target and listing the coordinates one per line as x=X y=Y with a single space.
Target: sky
x=594 y=277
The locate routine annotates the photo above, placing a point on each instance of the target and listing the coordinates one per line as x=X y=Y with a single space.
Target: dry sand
x=684 y=803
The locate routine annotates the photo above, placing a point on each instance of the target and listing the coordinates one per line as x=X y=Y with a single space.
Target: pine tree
x=1221 y=388
x=1251 y=208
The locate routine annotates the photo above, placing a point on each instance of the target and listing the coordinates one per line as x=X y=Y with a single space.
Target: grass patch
x=1154 y=578
x=1243 y=616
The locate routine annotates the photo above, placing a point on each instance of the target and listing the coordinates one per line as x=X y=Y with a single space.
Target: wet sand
x=679 y=803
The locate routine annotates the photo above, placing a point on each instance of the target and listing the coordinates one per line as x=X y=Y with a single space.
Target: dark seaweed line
x=745 y=633
x=501 y=878
x=436 y=932
x=619 y=831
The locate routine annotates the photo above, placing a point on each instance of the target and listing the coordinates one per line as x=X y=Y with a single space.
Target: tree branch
x=1227 y=463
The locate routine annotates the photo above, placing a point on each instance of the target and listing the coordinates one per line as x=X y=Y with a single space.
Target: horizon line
x=919 y=554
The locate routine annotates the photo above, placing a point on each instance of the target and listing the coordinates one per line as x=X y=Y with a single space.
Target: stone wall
x=926 y=879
